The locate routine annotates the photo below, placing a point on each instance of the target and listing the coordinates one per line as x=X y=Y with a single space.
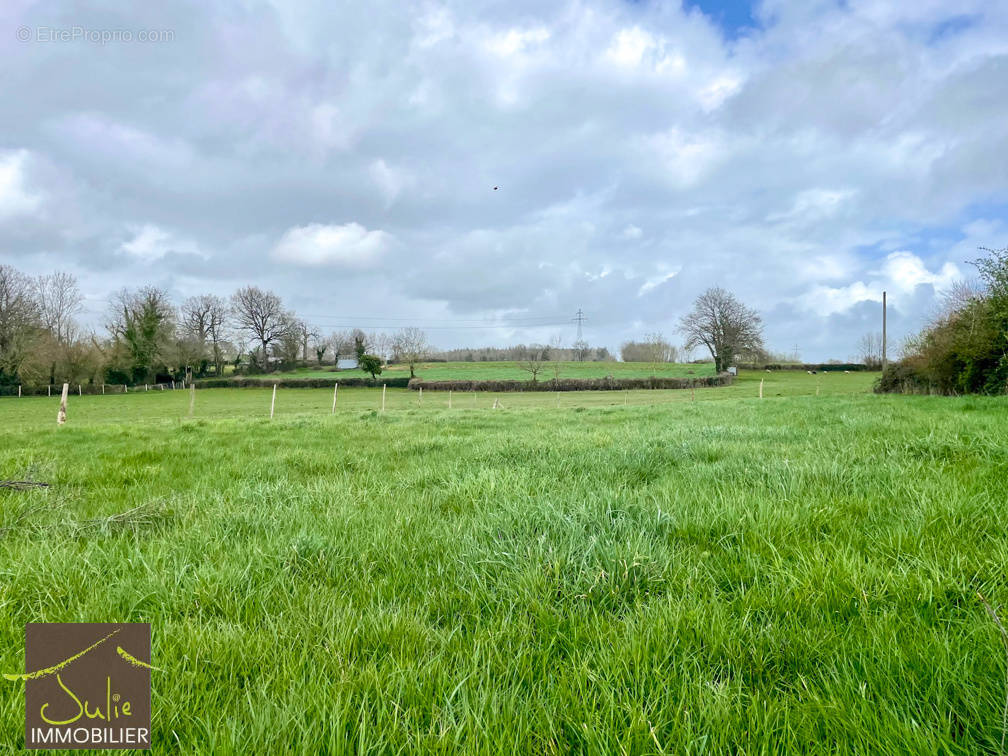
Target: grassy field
x=666 y=576
x=510 y=371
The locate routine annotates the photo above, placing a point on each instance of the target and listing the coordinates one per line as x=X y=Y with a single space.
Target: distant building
x=346 y=363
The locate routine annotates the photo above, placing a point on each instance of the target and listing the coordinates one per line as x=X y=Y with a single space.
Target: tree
x=964 y=349
x=204 y=320
x=410 y=346
x=359 y=343
x=870 y=350
x=261 y=315
x=59 y=300
x=289 y=341
x=533 y=362
x=581 y=350
x=142 y=325
x=724 y=325
x=370 y=364
x=20 y=321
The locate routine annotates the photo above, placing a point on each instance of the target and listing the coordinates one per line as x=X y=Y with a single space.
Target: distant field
x=730 y=575
x=509 y=371
x=140 y=406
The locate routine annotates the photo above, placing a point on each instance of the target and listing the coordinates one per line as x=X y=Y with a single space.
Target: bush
x=965 y=349
x=267 y=381
x=574 y=384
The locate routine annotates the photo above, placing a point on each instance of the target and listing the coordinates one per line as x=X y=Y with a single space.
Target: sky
x=483 y=170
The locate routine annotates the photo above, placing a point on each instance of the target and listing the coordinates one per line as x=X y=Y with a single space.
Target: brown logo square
x=87 y=685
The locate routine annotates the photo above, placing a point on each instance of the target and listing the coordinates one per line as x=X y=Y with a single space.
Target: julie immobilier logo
x=87 y=685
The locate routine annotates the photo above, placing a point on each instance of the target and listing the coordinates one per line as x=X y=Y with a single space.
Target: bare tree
x=534 y=360
x=581 y=350
x=203 y=320
x=870 y=350
x=724 y=325
x=320 y=346
x=289 y=341
x=410 y=345
x=261 y=315
x=20 y=320
x=59 y=300
x=658 y=350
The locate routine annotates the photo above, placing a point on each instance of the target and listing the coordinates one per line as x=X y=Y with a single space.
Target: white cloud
x=899 y=274
x=151 y=242
x=907 y=271
x=15 y=198
x=513 y=41
x=347 y=246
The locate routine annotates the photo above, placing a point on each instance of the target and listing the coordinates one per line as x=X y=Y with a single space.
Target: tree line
x=148 y=338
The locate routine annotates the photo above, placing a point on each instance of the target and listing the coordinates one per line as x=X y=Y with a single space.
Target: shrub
x=574 y=384
x=965 y=349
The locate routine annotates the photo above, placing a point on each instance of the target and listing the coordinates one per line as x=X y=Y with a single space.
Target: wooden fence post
x=334 y=392
x=760 y=388
x=273 y=403
x=383 y=397
x=192 y=398
x=79 y=391
x=19 y=391
x=449 y=398
x=61 y=415
x=420 y=398
x=49 y=390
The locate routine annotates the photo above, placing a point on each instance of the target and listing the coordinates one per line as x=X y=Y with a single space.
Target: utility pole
x=579 y=319
x=884 y=360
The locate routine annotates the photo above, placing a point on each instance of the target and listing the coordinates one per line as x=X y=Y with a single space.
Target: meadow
x=627 y=572
x=512 y=371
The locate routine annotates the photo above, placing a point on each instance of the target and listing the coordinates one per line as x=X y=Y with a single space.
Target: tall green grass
x=795 y=574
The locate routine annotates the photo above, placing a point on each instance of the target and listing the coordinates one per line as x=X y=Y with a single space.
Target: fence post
x=760 y=388
x=273 y=403
x=103 y=389
x=79 y=391
x=449 y=398
x=125 y=389
x=192 y=398
x=19 y=391
x=334 y=392
x=383 y=397
x=61 y=415
x=49 y=390
x=420 y=398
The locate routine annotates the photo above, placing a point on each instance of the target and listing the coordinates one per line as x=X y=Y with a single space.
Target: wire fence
x=91 y=389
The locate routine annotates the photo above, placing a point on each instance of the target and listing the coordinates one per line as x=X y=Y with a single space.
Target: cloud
x=15 y=197
x=829 y=152
x=347 y=246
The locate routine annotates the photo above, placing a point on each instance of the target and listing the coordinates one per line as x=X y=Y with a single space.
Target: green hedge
x=822 y=367
x=574 y=384
x=266 y=382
